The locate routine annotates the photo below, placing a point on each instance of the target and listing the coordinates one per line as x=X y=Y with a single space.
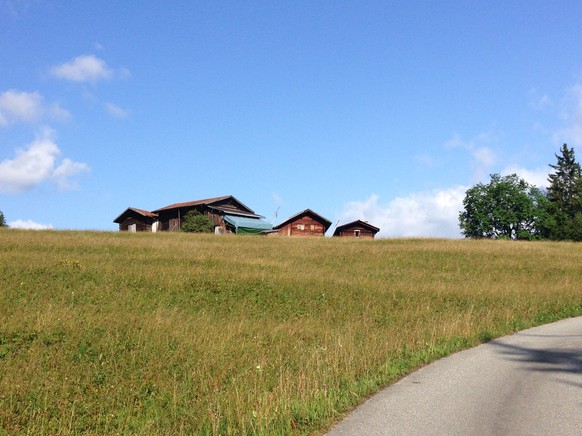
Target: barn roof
x=193 y=203
x=215 y=204
x=326 y=223
x=357 y=223
x=129 y=210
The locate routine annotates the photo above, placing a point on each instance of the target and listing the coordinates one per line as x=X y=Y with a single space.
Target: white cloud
x=29 y=225
x=484 y=156
x=572 y=133
x=86 y=68
x=20 y=106
x=63 y=174
x=116 y=111
x=478 y=147
x=538 y=177
x=35 y=164
x=424 y=214
x=27 y=107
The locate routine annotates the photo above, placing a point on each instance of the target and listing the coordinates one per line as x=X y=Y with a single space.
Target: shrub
x=195 y=222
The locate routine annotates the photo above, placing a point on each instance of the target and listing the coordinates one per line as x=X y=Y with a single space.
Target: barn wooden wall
x=140 y=225
x=311 y=227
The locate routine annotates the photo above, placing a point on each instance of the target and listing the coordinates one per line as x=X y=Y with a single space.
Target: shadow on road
x=558 y=360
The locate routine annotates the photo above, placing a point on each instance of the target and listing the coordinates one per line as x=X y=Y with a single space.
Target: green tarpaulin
x=249 y=226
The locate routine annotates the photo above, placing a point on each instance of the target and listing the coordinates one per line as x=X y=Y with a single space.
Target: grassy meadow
x=187 y=334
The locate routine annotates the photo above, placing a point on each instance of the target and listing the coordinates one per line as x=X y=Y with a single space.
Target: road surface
x=529 y=383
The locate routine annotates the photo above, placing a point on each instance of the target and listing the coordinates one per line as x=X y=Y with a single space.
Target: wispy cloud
x=539 y=101
x=572 y=116
x=64 y=174
x=37 y=163
x=425 y=160
x=423 y=214
x=482 y=154
x=86 y=68
x=116 y=111
x=29 y=225
x=14 y=8
x=28 y=107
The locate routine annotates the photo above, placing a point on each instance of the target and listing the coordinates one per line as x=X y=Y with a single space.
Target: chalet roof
x=326 y=223
x=211 y=202
x=357 y=223
x=193 y=203
x=230 y=210
x=141 y=212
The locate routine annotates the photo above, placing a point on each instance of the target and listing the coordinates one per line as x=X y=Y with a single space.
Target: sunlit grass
x=178 y=333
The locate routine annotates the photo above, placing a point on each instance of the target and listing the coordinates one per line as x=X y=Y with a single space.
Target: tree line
x=510 y=208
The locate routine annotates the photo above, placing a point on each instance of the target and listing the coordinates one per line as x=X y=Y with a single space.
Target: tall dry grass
x=178 y=333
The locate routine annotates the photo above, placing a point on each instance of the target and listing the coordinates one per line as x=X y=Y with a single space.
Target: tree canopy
x=565 y=196
x=2 y=220
x=507 y=207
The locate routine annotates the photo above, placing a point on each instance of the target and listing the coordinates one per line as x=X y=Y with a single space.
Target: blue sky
x=385 y=111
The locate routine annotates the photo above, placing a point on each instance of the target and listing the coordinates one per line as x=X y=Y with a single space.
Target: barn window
x=300 y=226
x=312 y=227
x=357 y=233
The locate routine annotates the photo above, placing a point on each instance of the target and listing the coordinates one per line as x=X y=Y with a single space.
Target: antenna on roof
x=276 y=214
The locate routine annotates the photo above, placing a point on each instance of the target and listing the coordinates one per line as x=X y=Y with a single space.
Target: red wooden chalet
x=306 y=223
x=356 y=229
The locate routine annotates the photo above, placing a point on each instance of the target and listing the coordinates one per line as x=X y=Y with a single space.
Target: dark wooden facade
x=306 y=223
x=137 y=220
x=170 y=218
x=356 y=229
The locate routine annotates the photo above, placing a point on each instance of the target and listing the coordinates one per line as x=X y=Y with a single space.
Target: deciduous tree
x=506 y=207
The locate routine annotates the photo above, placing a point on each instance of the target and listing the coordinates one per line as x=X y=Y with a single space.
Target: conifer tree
x=565 y=196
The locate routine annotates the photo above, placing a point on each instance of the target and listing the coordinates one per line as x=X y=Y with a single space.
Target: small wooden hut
x=305 y=223
x=137 y=220
x=356 y=229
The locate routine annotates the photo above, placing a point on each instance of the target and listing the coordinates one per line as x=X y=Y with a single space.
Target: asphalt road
x=529 y=383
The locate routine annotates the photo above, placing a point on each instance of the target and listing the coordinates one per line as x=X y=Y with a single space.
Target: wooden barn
x=137 y=220
x=356 y=229
x=228 y=215
x=306 y=223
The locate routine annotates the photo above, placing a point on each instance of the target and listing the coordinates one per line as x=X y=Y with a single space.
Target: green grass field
x=185 y=334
